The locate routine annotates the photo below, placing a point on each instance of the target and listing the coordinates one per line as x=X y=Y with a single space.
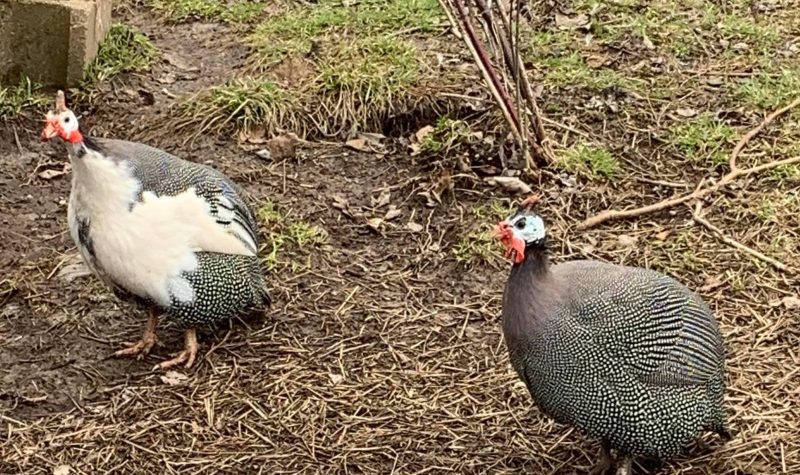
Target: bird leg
x=624 y=467
x=606 y=460
x=142 y=347
x=188 y=354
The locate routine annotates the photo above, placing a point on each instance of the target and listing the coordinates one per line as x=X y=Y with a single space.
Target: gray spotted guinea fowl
x=173 y=235
x=627 y=355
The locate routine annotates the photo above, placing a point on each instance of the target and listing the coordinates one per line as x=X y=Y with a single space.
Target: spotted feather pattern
x=624 y=354
x=207 y=285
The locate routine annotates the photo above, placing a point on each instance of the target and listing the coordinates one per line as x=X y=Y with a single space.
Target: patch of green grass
x=8 y=286
x=14 y=99
x=475 y=247
x=245 y=103
x=776 y=206
x=536 y=45
x=767 y=91
x=268 y=213
x=124 y=50
x=766 y=209
x=495 y=210
x=445 y=135
x=284 y=236
x=738 y=28
x=374 y=70
x=703 y=139
x=572 y=70
x=587 y=160
x=303 y=233
x=785 y=172
x=479 y=246
x=237 y=11
x=295 y=30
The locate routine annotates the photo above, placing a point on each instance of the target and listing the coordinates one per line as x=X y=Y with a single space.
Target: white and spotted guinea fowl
x=172 y=234
x=627 y=355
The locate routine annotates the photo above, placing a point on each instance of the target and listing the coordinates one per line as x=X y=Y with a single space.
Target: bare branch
x=499 y=28
x=733 y=243
x=749 y=135
x=701 y=192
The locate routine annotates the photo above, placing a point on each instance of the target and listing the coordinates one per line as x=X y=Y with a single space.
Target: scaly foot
x=141 y=348
x=187 y=356
x=606 y=461
x=624 y=467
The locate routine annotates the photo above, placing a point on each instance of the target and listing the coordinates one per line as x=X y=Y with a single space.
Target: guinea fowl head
x=522 y=230
x=61 y=122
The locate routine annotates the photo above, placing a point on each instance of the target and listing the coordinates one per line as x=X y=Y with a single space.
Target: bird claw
x=187 y=356
x=606 y=462
x=140 y=349
x=602 y=468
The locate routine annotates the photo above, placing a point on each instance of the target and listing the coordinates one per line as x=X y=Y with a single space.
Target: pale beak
x=49 y=131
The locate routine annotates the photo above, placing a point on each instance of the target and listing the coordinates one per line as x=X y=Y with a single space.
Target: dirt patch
x=382 y=351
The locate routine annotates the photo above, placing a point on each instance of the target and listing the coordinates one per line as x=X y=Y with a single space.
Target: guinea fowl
x=624 y=354
x=173 y=235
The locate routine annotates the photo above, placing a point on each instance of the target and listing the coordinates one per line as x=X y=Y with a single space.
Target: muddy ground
x=381 y=353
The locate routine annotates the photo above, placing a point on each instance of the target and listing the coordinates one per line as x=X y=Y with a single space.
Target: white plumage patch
x=146 y=249
x=180 y=289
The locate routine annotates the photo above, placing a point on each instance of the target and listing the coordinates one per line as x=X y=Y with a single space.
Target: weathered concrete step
x=50 y=41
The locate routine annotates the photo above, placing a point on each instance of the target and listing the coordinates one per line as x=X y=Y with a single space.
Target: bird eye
x=520 y=224
x=66 y=119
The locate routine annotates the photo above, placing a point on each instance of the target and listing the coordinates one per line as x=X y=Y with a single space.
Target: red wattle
x=74 y=137
x=518 y=248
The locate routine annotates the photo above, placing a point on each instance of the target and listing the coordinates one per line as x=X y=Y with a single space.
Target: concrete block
x=50 y=41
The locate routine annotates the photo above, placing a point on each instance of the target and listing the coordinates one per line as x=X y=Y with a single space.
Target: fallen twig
x=733 y=243
x=701 y=192
x=752 y=133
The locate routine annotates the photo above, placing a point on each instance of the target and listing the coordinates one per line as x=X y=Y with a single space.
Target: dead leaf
x=282 y=147
x=712 y=282
x=429 y=198
x=62 y=470
x=564 y=22
x=50 y=174
x=375 y=224
x=358 y=144
x=367 y=142
x=687 y=112
x=414 y=227
x=256 y=135
x=423 y=132
x=662 y=236
x=372 y=137
x=595 y=61
x=648 y=43
x=510 y=183
x=336 y=378
x=791 y=302
x=383 y=199
x=392 y=213
x=626 y=241
x=173 y=378
x=264 y=153
x=178 y=62
x=339 y=202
